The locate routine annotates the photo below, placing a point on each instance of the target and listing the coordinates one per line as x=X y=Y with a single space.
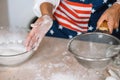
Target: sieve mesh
x=92 y=45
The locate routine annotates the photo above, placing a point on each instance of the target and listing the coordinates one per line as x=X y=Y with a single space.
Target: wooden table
x=51 y=61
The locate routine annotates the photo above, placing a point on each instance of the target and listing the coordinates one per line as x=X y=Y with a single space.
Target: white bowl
x=13 y=53
x=12 y=49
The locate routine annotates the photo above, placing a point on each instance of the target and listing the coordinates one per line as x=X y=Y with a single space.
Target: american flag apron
x=74 y=16
x=71 y=24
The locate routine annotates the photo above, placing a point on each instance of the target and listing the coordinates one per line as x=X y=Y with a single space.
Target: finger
x=111 y=25
x=33 y=25
x=100 y=21
x=33 y=39
x=29 y=37
x=36 y=45
x=36 y=24
x=116 y=25
x=38 y=21
x=39 y=39
x=32 y=42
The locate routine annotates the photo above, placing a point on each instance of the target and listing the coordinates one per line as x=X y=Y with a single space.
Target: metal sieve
x=90 y=49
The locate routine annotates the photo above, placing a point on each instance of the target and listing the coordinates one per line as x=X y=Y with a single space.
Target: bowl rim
x=21 y=53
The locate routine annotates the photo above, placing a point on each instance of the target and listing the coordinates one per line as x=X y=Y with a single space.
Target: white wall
x=3 y=13
x=20 y=12
x=16 y=12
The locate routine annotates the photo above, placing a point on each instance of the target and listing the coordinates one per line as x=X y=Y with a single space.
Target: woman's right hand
x=112 y=16
x=40 y=28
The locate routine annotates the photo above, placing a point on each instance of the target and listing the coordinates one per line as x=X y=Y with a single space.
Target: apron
x=74 y=17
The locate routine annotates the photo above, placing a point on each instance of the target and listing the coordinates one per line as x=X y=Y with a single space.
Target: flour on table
x=62 y=76
x=60 y=68
x=57 y=68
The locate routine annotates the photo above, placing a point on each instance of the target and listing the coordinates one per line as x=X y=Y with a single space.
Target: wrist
x=46 y=9
x=117 y=7
x=117 y=1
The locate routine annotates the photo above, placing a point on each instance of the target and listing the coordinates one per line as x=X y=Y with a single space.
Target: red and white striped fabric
x=73 y=15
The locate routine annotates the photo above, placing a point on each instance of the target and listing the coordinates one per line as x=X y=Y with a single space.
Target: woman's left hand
x=112 y=16
x=40 y=28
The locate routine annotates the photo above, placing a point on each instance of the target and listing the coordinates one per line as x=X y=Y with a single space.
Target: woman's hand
x=112 y=16
x=47 y=9
x=40 y=28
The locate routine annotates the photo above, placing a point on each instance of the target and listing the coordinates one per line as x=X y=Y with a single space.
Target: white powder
x=11 y=43
x=63 y=68
x=110 y=78
x=11 y=48
x=9 y=52
x=60 y=76
x=57 y=68
x=13 y=53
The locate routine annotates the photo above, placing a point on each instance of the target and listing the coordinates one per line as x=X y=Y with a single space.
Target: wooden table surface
x=51 y=61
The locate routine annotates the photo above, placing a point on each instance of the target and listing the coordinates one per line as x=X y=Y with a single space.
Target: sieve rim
x=87 y=58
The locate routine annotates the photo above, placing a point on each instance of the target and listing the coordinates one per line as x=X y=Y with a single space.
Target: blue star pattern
x=99 y=6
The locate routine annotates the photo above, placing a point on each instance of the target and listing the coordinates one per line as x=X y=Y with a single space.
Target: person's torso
x=98 y=7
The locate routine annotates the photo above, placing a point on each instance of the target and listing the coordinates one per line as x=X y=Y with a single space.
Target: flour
x=57 y=68
x=9 y=52
x=11 y=46
x=63 y=67
x=60 y=76
x=13 y=53
x=71 y=76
